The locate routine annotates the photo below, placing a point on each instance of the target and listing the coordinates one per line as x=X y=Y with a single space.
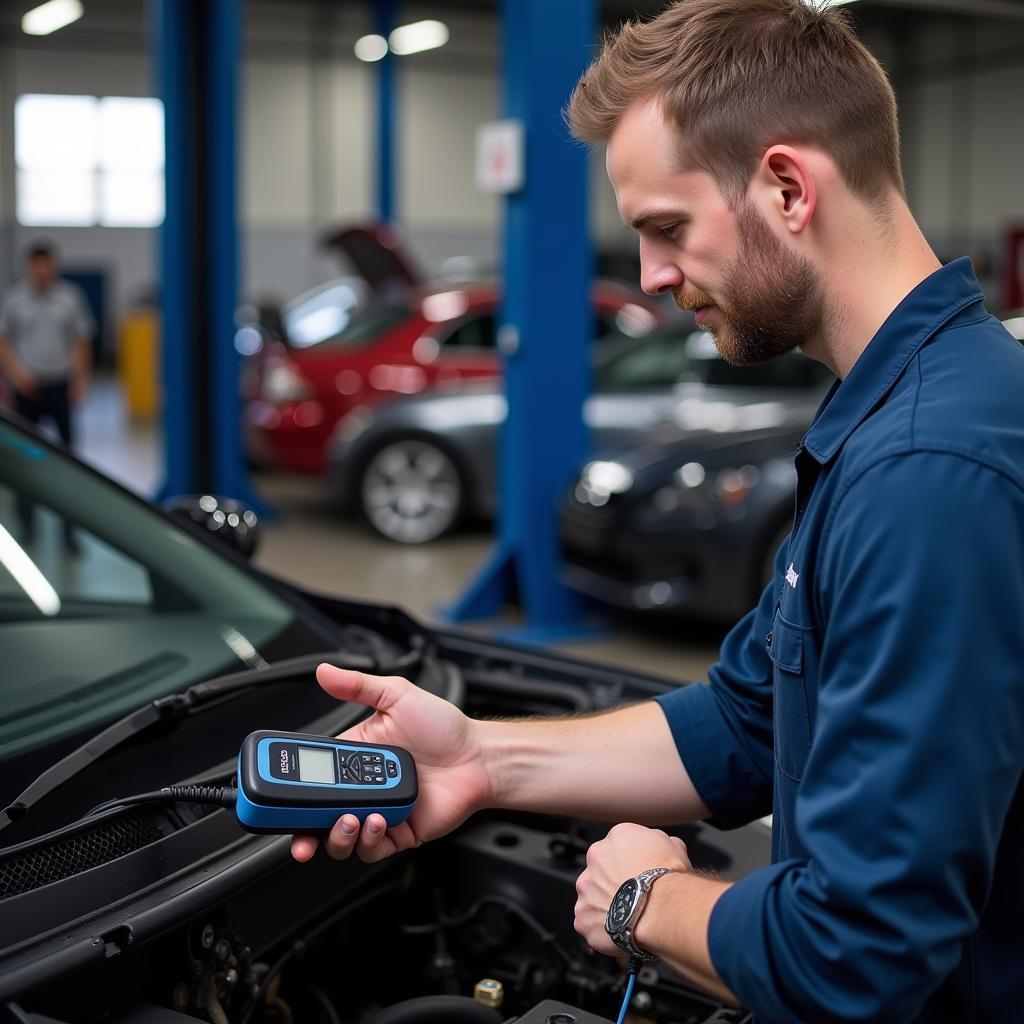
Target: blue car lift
x=196 y=49
x=385 y=12
x=547 y=323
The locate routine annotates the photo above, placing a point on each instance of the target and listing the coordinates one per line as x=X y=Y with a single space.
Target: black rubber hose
x=438 y=1010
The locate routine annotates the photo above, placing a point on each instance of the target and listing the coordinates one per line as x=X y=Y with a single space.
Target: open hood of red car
x=377 y=254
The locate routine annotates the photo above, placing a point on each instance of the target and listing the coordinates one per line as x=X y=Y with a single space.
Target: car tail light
x=283 y=383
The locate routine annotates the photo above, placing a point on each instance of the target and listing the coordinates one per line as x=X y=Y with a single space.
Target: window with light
x=87 y=160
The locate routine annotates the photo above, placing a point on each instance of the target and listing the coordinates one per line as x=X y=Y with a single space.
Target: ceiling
x=122 y=24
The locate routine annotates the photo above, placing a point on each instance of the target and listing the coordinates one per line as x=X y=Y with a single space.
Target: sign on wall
x=500 y=158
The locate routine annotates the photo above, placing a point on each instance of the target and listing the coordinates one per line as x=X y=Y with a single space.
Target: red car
x=409 y=338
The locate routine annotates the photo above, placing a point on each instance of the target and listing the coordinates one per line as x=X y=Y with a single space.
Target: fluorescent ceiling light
x=49 y=17
x=27 y=575
x=370 y=48
x=419 y=36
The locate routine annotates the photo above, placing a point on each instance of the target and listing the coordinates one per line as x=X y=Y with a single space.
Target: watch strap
x=646 y=878
x=623 y=938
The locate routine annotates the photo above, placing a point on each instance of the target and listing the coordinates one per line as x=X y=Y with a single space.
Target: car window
x=658 y=361
x=323 y=313
x=105 y=604
x=667 y=358
x=78 y=567
x=474 y=332
x=368 y=324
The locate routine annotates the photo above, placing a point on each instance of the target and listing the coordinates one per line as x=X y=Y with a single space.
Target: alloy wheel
x=411 y=491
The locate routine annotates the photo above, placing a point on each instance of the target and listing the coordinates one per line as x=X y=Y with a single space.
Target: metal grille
x=69 y=857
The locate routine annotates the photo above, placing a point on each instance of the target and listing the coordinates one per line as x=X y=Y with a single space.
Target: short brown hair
x=736 y=76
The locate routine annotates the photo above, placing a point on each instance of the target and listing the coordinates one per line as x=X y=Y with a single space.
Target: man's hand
x=25 y=382
x=453 y=781
x=624 y=852
x=78 y=389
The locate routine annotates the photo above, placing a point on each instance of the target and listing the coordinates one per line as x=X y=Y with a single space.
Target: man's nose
x=658 y=275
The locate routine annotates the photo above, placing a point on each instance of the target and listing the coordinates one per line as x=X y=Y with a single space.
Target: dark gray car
x=417 y=467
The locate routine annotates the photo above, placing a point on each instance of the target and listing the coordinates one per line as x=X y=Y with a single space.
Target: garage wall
x=965 y=124
x=308 y=123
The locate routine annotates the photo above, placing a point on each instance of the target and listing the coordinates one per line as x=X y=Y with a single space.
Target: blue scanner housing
x=295 y=782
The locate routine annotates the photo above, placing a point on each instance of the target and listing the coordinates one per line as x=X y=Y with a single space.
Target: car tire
x=412 y=491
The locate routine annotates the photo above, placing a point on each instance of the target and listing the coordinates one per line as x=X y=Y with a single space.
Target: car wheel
x=411 y=491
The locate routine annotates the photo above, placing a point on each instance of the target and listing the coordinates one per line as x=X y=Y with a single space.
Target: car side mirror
x=232 y=522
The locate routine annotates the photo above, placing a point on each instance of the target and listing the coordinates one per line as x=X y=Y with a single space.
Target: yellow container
x=139 y=363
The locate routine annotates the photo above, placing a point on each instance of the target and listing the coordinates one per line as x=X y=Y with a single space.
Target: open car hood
x=377 y=254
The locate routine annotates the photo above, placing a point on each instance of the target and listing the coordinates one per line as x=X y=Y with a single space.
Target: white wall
x=308 y=142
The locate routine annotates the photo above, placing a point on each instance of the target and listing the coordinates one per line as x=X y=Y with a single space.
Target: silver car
x=417 y=467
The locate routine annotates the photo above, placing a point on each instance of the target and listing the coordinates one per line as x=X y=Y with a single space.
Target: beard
x=771 y=298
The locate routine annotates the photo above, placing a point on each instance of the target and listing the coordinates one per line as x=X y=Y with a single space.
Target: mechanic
x=45 y=327
x=874 y=700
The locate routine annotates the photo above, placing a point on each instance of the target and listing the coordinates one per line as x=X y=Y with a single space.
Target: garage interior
x=346 y=275
x=309 y=125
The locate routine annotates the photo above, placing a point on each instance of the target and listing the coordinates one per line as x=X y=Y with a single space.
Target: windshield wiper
x=187 y=702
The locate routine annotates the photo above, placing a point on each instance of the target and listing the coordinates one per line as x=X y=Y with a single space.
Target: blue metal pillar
x=197 y=45
x=176 y=87
x=385 y=13
x=547 y=320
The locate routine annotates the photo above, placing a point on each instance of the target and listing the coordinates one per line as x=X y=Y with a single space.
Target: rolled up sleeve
x=916 y=758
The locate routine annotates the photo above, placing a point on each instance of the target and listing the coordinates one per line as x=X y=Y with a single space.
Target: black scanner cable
x=178 y=705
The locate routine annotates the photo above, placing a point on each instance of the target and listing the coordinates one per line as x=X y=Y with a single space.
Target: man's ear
x=785 y=181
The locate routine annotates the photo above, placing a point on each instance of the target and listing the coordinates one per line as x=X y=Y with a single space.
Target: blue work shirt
x=874 y=700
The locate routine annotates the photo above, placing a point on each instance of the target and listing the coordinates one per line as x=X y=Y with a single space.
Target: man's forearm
x=618 y=766
x=674 y=925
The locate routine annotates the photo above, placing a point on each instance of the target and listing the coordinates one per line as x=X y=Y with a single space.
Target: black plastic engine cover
x=552 y=1012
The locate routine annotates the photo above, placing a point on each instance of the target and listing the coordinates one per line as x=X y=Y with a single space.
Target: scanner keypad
x=368 y=767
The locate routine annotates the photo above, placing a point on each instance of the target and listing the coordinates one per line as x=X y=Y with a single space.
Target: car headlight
x=693 y=488
x=598 y=481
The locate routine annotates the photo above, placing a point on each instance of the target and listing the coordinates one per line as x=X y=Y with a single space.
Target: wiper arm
x=177 y=705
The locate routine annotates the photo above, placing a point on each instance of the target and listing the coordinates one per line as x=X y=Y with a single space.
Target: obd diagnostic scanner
x=293 y=782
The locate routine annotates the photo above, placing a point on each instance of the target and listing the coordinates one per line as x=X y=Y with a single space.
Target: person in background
x=45 y=331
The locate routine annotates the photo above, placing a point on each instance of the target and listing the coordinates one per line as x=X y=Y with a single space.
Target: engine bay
x=160 y=915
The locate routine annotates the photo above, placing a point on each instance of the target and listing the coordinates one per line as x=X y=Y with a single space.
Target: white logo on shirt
x=792 y=576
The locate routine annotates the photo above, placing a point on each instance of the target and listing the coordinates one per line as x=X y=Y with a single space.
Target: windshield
x=682 y=355
x=323 y=312
x=105 y=605
x=366 y=325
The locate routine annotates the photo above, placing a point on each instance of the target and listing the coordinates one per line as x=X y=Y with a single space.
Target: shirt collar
x=931 y=304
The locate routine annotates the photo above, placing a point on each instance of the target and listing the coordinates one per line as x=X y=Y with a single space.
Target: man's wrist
x=492 y=741
x=521 y=761
x=677 y=914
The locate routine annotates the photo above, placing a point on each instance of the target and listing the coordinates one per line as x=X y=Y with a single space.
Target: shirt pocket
x=791 y=718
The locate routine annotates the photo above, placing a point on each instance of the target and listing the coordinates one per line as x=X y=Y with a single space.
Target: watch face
x=622 y=905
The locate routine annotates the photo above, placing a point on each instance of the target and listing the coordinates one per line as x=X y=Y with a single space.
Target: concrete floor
x=309 y=544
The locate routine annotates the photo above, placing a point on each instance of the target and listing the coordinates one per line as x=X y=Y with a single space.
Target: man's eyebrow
x=638 y=222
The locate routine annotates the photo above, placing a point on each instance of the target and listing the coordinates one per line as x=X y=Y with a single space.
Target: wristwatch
x=627 y=905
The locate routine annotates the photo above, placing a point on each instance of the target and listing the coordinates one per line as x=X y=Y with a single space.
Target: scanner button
x=392 y=769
